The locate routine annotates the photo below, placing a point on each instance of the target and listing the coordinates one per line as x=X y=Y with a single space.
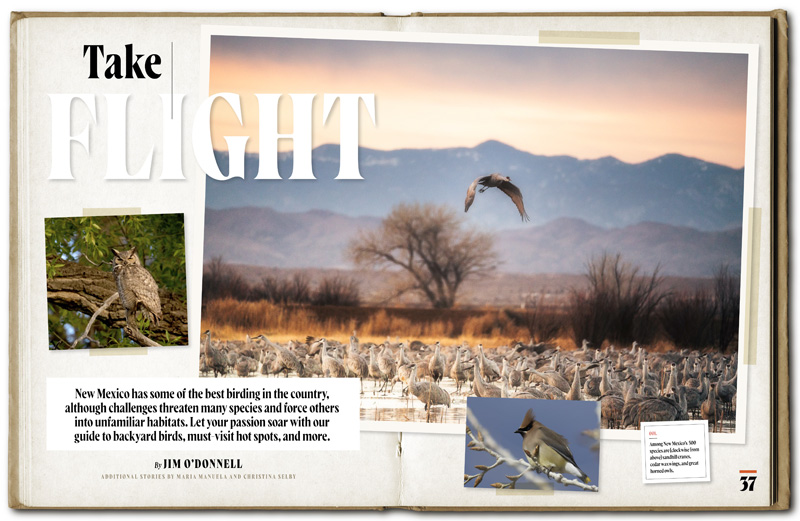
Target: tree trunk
x=85 y=288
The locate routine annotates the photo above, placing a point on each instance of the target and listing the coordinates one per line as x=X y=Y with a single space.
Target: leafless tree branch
x=431 y=245
x=483 y=441
x=89 y=325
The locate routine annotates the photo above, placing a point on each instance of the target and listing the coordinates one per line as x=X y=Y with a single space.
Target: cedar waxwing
x=547 y=447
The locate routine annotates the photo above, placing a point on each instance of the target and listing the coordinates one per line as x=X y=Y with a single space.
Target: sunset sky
x=587 y=103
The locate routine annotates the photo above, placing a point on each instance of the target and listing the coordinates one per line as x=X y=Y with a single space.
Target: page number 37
x=748 y=482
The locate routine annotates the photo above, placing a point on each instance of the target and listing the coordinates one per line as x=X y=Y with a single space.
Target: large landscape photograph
x=534 y=222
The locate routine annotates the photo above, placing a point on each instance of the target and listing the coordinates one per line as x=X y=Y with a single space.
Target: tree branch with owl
x=80 y=253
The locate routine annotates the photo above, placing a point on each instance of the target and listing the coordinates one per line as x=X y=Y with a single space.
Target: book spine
x=15 y=448
x=780 y=263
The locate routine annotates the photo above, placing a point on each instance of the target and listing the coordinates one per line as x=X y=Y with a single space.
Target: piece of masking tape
x=545 y=491
x=118 y=351
x=100 y=212
x=751 y=286
x=589 y=37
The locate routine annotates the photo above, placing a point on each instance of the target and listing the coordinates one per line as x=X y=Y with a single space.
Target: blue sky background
x=502 y=416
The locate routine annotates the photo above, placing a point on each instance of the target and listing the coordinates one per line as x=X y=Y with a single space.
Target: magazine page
x=633 y=467
x=376 y=262
x=109 y=232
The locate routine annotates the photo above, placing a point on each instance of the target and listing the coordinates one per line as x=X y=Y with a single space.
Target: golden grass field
x=233 y=319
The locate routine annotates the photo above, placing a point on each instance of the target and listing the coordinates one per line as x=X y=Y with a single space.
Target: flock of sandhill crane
x=632 y=386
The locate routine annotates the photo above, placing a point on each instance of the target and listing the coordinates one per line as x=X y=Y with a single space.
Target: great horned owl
x=137 y=288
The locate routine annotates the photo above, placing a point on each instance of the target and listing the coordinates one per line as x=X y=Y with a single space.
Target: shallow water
x=397 y=407
x=377 y=405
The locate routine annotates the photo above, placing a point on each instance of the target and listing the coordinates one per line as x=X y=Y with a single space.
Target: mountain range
x=261 y=236
x=671 y=189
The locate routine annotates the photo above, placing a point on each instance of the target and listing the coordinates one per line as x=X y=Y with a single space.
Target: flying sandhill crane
x=427 y=392
x=215 y=359
x=497 y=181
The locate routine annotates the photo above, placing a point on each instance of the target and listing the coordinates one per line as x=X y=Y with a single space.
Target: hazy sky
x=502 y=416
x=587 y=103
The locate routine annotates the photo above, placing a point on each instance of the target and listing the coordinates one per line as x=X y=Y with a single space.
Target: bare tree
x=432 y=245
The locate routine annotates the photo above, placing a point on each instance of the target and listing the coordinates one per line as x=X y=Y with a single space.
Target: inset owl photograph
x=116 y=281
x=532 y=444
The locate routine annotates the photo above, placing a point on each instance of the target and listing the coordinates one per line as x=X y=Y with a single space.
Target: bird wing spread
x=513 y=192
x=471 y=194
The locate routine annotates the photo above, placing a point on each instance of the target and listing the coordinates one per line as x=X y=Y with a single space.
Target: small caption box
x=674 y=452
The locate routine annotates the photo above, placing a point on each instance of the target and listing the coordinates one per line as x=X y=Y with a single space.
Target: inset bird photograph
x=533 y=222
x=116 y=281
x=532 y=444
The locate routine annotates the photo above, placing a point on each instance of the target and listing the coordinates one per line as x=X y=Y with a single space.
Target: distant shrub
x=726 y=297
x=589 y=316
x=220 y=281
x=293 y=290
x=619 y=305
x=543 y=324
x=687 y=319
x=491 y=323
x=336 y=291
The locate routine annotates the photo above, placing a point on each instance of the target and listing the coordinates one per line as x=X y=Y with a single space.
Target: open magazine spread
x=434 y=262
